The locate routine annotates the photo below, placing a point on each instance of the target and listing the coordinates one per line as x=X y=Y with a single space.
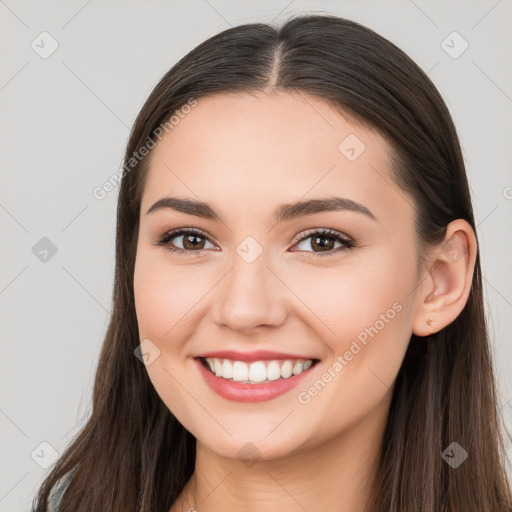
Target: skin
x=246 y=154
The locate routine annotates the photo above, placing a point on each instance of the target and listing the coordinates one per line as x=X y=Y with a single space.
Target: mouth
x=256 y=372
x=253 y=381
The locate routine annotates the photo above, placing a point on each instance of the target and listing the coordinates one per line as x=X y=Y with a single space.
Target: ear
x=444 y=288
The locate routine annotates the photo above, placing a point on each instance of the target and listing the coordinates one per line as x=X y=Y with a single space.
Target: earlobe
x=445 y=289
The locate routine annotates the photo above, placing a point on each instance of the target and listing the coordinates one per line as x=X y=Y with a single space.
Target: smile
x=254 y=381
x=257 y=371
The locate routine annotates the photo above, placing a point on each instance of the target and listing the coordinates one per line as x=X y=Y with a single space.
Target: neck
x=336 y=475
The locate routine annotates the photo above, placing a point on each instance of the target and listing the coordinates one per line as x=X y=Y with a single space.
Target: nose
x=250 y=296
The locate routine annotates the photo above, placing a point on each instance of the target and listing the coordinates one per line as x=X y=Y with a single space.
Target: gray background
x=65 y=122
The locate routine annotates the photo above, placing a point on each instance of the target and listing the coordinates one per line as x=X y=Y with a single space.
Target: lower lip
x=240 y=392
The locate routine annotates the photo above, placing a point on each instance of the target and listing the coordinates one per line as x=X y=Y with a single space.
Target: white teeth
x=298 y=368
x=240 y=371
x=257 y=371
x=286 y=369
x=227 y=369
x=217 y=368
x=273 y=371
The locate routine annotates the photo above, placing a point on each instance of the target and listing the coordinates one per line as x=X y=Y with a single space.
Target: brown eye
x=323 y=242
x=184 y=241
x=193 y=241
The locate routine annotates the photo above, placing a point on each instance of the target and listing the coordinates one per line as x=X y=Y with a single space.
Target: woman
x=298 y=320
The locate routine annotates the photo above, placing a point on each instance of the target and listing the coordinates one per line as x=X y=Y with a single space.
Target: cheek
x=164 y=297
x=353 y=296
x=365 y=313
x=162 y=301
x=369 y=331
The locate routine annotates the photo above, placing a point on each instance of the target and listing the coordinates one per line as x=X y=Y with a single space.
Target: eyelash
x=347 y=242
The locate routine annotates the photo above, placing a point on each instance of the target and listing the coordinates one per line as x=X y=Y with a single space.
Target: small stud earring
x=430 y=322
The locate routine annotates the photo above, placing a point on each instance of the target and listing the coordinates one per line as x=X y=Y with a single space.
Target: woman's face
x=249 y=285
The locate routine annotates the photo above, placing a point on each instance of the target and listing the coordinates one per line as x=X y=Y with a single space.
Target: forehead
x=240 y=149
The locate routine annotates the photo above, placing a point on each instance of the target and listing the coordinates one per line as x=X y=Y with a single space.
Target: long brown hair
x=133 y=454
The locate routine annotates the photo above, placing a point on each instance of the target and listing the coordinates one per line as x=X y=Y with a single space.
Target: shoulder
x=56 y=493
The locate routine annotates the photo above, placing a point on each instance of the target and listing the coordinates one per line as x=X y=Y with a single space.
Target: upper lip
x=256 y=355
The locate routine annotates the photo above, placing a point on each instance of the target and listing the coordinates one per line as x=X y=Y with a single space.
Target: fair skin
x=245 y=154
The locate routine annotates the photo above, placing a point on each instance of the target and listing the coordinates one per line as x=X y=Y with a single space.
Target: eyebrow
x=282 y=213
